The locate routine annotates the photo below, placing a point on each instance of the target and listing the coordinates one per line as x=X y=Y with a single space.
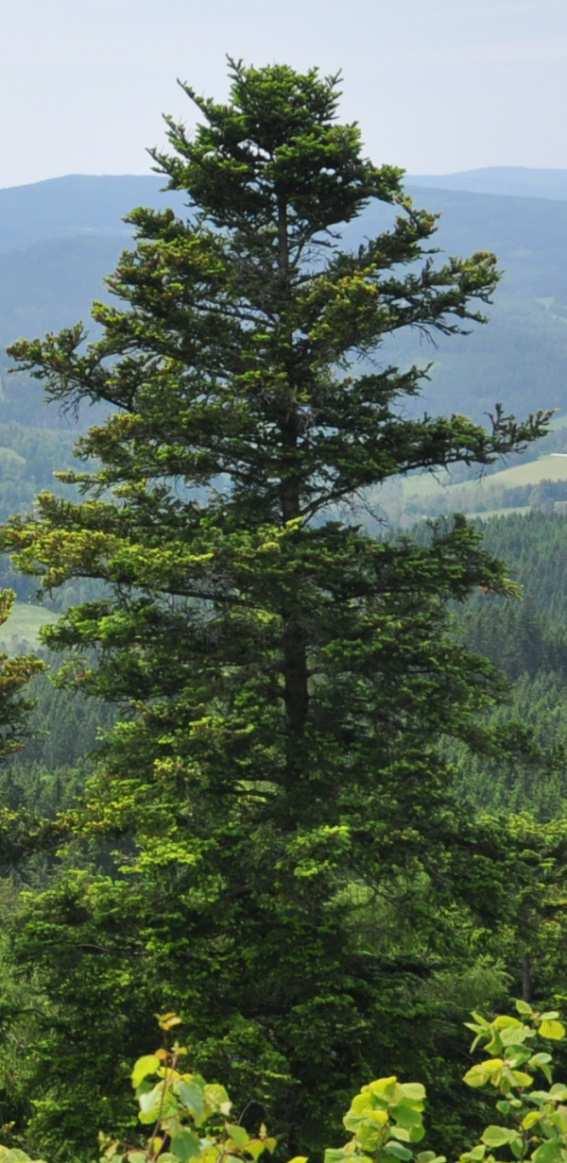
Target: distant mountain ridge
x=59 y=238
x=515 y=181
x=77 y=204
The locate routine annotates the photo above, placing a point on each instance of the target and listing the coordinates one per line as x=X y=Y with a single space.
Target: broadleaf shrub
x=191 y=1119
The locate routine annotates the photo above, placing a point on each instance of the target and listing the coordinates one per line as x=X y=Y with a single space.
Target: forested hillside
x=526 y=638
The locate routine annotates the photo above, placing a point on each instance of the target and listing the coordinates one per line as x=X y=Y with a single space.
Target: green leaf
x=402 y=1133
x=515 y=1035
x=495 y=1136
x=374 y=1118
x=217 y=1098
x=558 y=1092
x=14 y=1155
x=414 y=1091
x=150 y=1104
x=255 y=1147
x=531 y=1119
x=192 y=1096
x=337 y=1155
x=550 y=1028
x=523 y=1008
x=549 y=1152
x=238 y=1134
x=210 y=1154
x=369 y=1135
x=149 y=1064
x=476 y=1076
x=397 y=1151
x=185 y=1144
x=521 y=1079
x=503 y=1021
x=417 y=1134
x=406 y=1115
x=542 y=1062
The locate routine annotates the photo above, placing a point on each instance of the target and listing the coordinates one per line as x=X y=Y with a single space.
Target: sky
x=437 y=85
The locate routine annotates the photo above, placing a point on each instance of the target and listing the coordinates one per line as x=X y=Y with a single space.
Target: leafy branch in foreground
x=193 y=1120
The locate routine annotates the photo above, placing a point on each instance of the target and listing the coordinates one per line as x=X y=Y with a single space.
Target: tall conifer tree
x=287 y=678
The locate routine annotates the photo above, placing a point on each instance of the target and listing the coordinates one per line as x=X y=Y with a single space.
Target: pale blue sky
x=437 y=85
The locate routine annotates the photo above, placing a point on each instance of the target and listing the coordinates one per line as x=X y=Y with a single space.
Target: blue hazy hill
x=519 y=181
x=80 y=204
x=59 y=238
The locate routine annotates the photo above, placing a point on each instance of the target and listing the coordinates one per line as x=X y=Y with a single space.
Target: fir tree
x=287 y=677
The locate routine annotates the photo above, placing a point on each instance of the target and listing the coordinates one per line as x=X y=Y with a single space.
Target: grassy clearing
x=487 y=514
x=547 y=468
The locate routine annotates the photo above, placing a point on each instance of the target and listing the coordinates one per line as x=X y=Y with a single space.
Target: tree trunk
x=296 y=689
x=527 y=979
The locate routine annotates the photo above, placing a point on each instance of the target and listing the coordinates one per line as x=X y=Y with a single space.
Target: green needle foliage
x=286 y=678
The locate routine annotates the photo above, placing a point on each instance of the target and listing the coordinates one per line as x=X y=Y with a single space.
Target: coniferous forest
x=290 y=776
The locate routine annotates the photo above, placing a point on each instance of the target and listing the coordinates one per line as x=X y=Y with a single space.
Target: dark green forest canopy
x=269 y=841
